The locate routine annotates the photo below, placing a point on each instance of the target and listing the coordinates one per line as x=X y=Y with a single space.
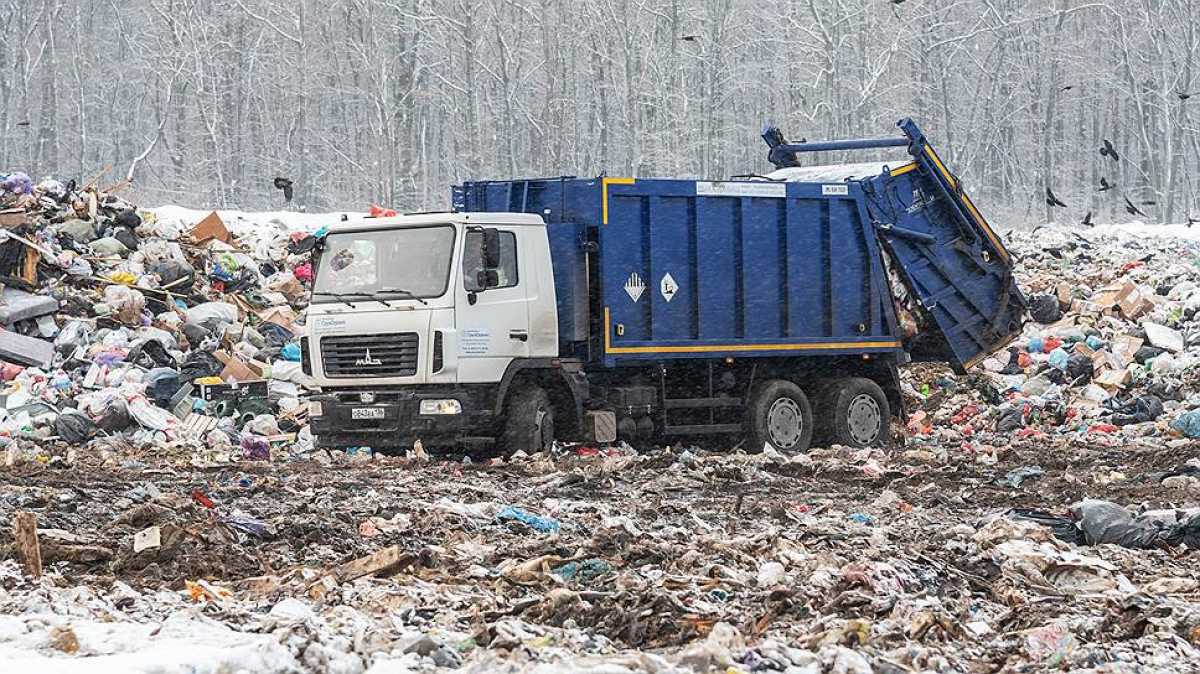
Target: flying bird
x=1109 y=151
x=23 y=123
x=1068 y=87
x=1104 y=186
x=1149 y=203
x=1131 y=209
x=284 y=184
x=1191 y=221
x=1087 y=220
x=690 y=38
x=1184 y=96
x=1052 y=200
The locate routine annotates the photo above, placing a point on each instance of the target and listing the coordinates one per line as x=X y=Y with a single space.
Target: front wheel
x=779 y=415
x=529 y=421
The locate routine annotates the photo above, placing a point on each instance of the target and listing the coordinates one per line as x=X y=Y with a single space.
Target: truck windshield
x=405 y=263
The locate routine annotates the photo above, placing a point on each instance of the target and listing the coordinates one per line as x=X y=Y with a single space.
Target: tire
x=779 y=414
x=854 y=412
x=529 y=421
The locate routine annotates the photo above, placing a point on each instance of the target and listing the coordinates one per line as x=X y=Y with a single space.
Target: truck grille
x=390 y=355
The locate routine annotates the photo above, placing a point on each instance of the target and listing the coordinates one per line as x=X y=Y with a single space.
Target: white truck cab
x=416 y=320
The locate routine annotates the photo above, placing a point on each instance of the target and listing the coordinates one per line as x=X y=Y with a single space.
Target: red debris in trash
x=203 y=499
x=965 y=413
x=378 y=211
x=587 y=451
x=1103 y=428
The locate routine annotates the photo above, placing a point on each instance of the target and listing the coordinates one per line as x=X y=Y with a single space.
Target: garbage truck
x=767 y=310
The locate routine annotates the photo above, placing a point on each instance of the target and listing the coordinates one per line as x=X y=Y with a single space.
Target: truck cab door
x=491 y=315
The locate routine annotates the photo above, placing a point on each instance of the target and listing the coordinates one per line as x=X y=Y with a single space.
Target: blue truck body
x=653 y=269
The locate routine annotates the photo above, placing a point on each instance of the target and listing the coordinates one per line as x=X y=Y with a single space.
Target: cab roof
x=424 y=219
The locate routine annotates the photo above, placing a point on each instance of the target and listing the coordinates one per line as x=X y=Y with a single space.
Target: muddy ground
x=889 y=555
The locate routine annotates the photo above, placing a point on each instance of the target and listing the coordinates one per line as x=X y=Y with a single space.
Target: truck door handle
x=519 y=335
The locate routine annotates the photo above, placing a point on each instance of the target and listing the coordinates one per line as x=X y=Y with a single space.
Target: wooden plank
x=376 y=562
x=29 y=553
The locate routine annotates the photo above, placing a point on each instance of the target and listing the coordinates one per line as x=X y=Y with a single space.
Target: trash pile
x=675 y=560
x=1108 y=356
x=142 y=331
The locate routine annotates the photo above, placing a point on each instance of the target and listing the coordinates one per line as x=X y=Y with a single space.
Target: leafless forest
x=204 y=102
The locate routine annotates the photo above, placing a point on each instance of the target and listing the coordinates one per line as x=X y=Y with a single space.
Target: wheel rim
x=785 y=423
x=863 y=418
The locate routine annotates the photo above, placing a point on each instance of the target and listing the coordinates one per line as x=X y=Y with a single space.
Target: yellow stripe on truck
x=710 y=348
x=604 y=183
x=907 y=168
x=970 y=206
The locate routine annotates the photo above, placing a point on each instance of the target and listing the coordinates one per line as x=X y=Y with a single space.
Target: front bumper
x=397 y=421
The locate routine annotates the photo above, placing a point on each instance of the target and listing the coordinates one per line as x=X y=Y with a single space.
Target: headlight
x=441 y=407
x=315 y=408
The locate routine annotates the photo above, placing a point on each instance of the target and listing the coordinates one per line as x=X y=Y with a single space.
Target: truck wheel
x=529 y=421
x=855 y=413
x=778 y=414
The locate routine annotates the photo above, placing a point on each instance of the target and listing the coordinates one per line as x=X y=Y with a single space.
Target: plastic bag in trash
x=1059 y=358
x=1139 y=410
x=199 y=364
x=1188 y=423
x=1106 y=522
x=536 y=522
x=1044 y=309
x=290 y=352
x=221 y=312
x=116 y=417
x=1080 y=369
x=73 y=427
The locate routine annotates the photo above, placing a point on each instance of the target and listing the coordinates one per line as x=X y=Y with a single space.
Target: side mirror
x=491 y=248
x=488 y=278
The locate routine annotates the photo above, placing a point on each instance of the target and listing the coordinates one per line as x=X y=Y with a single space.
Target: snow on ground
x=236 y=221
x=1142 y=229
x=185 y=643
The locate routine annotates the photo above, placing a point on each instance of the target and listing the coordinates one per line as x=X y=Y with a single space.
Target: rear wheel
x=779 y=415
x=529 y=421
x=855 y=413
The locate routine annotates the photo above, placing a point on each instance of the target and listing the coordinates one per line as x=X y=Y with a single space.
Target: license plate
x=366 y=413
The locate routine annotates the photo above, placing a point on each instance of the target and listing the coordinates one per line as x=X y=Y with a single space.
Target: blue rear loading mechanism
x=680 y=298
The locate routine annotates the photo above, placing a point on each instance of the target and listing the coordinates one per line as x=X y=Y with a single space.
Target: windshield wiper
x=402 y=291
x=343 y=296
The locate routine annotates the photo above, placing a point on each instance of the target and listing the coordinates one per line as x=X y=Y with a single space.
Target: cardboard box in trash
x=1133 y=301
x=1114 y=378
x=210 y=228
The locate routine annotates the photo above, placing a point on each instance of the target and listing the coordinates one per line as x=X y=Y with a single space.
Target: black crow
x=1052 y=200
x=1109 y=151
x=1104 y=186
x=1131 y=209
x=1087 y=220
x=284 y=184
